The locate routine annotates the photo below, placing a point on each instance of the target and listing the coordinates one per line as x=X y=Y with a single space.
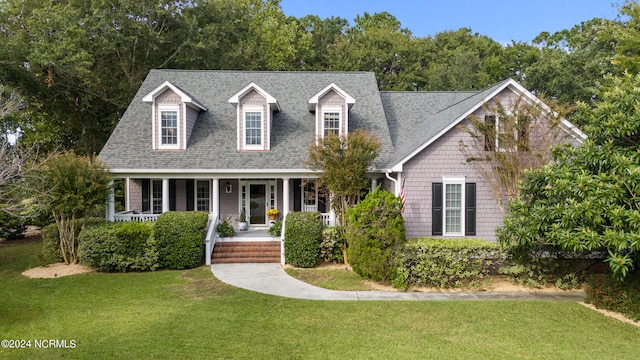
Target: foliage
x=123 y=247
x=272 y=211
x=50 y=252
x=77 y=186
x=331 y=245
x=11 y=226
x=225 y=229
x=344 y=162
x=374 y=231
x=564 y=272
x=588 y=197
x=276 y=229
x=302 y=236
x=180 y=238
x=446 y=263
x=243 y=216
x=518 y=138
x=604 y=292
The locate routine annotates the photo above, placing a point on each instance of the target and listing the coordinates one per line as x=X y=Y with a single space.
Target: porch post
x=215 y=202
x=332 y=213
x=110 y=203
x=374 y=184
x=127 y=194
x=285 y=196
x=165 y=195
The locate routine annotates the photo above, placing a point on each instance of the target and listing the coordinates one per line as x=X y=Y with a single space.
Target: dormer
x=173 y=116
x=254 y=115
x=331 y=107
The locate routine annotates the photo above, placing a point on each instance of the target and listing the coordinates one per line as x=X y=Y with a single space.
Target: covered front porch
x=145 y=198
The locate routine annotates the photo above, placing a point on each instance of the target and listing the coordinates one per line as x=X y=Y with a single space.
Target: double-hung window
x=253 y=127
x=331 y=120
x=453 y=207
x=169 y=121
x=202 y=195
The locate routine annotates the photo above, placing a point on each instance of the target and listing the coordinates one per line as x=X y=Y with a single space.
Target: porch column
x=285 y=196
x=165 y=195
x=215 y=202
x=374 y=184
x=127 y=195
x=332 y=213
x=111 y=203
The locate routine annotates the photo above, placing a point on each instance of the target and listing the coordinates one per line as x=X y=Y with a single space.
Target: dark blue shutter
x=436 y=209
x=172 y=194
x=470 y=209
x=146 y=195
x=190 y=194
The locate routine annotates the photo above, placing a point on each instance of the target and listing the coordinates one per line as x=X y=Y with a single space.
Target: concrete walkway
x=271 y=279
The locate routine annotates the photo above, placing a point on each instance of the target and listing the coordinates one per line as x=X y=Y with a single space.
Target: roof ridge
x=266 y=71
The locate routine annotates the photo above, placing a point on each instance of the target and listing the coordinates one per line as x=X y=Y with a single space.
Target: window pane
x=156 y=193
x=332 y=123
x=453 y=206
x=253 y=128
x=202 y=196
x=169 y=126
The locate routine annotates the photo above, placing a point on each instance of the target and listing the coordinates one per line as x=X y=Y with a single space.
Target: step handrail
x=211 y=238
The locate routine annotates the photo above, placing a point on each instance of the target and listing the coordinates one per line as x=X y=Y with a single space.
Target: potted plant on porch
x=272 y=213
x=242 y=220
x=224 y=228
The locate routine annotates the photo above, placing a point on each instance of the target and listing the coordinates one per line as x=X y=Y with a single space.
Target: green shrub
x=539 y=271
x=11 y=227
x=127 y=246
x=374 y=230
x=180 y=238
x=276 y=229
x=604 y=292
x=302 y=236
x=225 y=229
x=445 y=263
x=51 y=241
x=331 y=245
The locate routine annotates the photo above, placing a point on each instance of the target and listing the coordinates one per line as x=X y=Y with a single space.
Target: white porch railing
x=211 y=238
x=326 y=219
x=124 y=216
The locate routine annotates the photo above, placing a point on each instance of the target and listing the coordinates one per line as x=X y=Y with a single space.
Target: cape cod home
x=224 y=141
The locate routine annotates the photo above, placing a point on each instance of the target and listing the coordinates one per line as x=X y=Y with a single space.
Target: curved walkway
x=272 y=279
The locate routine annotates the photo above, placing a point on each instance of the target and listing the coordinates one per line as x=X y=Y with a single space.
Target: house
x=223 y=141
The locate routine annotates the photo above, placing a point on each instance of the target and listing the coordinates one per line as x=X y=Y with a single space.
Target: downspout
x=395 y=182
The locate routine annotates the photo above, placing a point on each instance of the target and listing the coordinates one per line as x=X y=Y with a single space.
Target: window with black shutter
x=470 y=209
x=490 y=133
x=436 y=209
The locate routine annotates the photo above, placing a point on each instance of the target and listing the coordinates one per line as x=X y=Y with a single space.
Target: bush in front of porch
x=179 y=236
x=302 y=237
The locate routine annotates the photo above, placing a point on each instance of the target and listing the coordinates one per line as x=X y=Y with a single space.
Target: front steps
x=229 y=252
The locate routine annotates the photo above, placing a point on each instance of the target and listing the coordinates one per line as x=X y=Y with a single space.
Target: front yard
x=190 y=314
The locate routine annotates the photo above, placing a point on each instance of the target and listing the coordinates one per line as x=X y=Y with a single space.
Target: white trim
x=179 y=127
x=510 y=84
x=313 y=102
x=151 y=97
x=253 y=109
x=453 y=180
x=235 y=98
x=331 y=109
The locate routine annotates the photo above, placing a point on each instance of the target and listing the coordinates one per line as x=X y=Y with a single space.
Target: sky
x=501 y=20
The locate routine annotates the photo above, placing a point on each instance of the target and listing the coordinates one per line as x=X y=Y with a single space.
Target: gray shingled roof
x=212 y=144
x=403 y=121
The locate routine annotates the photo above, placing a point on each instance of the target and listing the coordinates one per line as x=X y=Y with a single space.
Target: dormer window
x=173 y=116
x=332 y=120
x=331 y=106
x=255 y=109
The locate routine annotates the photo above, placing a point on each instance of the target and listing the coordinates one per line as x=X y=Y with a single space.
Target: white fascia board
x=313 y=102
x=273 y=103
x=191 y=102
x=218 y=173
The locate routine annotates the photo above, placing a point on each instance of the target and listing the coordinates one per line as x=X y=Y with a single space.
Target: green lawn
x=189 y=314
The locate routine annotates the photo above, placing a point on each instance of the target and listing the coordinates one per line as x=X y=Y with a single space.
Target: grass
x=333 y=278
x=190 y=314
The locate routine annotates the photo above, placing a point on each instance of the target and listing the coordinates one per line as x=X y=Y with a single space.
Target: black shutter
x=436 y=209
x=490 y=132
x=470 y=209
x=172 y=194
x=146 y=192
x=190 y=194
x=297 y=195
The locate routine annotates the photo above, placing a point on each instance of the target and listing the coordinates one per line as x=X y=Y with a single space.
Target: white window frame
x=453 y=180
x=331 y=110
x=169 y=108
x=156 y=205
x=253 y=109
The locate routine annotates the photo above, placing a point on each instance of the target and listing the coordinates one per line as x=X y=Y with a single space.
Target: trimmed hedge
x=445 y=263
x=604 y=292
x=128 y=246
x=302 y=236
x=374 y=231
x=180 y=239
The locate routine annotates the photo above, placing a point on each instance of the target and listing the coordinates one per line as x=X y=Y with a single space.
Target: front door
x=257 y=204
